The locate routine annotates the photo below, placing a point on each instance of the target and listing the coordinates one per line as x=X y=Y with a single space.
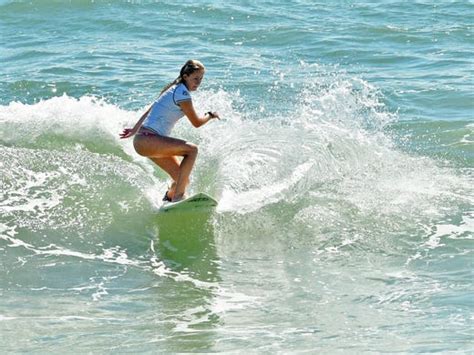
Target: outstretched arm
x=188 y=109
x=128 y=132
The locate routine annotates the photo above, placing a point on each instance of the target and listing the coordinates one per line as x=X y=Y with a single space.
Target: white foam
x=254 y=199
x=333 y=145
x=465 y=230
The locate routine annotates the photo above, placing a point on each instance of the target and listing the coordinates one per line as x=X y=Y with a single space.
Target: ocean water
x=343 y=166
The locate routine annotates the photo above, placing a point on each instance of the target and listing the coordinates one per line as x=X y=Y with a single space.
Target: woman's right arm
x=188 y=109
x=128 y=132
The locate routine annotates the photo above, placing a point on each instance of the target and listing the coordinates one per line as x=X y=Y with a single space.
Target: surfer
x=152 y=131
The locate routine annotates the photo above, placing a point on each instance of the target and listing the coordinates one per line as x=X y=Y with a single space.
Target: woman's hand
x=214 y=115
x=127 y=132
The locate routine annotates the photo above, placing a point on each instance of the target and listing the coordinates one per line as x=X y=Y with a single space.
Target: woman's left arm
x=190 y=112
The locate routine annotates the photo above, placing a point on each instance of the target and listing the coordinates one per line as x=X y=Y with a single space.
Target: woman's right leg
x=156 y=147
x=171 y=166
x=184 y=172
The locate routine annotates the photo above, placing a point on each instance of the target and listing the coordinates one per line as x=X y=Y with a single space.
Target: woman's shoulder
x=173 y=90
x=181 y=92
x=180 y=87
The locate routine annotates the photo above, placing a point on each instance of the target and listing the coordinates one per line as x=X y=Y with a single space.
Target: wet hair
x=188 y=68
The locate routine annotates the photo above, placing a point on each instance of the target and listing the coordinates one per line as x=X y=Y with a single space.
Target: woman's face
x=192 y=81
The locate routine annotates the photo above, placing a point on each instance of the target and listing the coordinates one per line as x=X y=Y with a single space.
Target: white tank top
x=165 y=111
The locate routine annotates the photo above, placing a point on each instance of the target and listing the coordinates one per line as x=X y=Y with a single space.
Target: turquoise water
x=343 y=166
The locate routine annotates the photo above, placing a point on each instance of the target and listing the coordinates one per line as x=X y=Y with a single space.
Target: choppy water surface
x=343 y=166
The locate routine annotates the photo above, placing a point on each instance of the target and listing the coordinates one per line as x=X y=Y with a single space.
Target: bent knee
x=191 y=149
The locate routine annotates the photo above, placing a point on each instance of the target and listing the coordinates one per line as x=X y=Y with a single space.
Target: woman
x=152 y=131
